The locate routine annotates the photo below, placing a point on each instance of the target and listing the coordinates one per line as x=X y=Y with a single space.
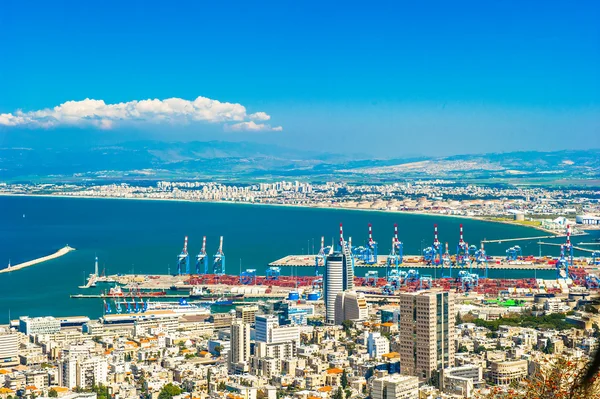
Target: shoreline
x=339 y=208
x=61 y=252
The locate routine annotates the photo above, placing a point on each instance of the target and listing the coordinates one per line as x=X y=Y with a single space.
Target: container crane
x=596 y=258
x=433 y=254
x=183 y=259
x=371 y=254
x=482 y=259
x=202 y=259
x=592 y=281
x=427 y=280
x=447 y=261
x=273 y=273
x=248 y=277
x=320 y=257
x=462 y=250
x=371 y=278
x=395 y=258
x=219 y=260
x=412 y=275
x=396 y=278
x=566 y=257
x=513 y=253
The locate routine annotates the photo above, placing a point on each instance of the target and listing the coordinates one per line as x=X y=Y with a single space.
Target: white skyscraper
x=339 y=276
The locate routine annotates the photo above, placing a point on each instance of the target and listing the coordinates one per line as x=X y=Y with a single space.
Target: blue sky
x=389 y=78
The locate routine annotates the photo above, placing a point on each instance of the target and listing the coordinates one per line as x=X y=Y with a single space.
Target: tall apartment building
x=83 y=372
x=246 y=313
x=268 y=330
x=239 y=353
x=339 y=277
x=426 y=333
x=350 y=305
x=9 y=348
x=395 y=386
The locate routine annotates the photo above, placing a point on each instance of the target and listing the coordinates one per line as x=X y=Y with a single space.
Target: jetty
x=61 y=252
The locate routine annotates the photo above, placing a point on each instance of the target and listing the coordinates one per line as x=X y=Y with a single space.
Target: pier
x=414 y=261
x=500 y=241
x=560 y=245
x=61 y=252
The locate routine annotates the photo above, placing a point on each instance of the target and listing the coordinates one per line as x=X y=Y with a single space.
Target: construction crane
x=183 y=259
x=219 y=260
x=395 y=258
x=566 y=257
x=273 y=273
x=371 y=278
x=202 y=259
x=482 y=259
x=432 y=254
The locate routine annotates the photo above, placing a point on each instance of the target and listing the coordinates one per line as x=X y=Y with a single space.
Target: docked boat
x=203 y=293
x=153 y=311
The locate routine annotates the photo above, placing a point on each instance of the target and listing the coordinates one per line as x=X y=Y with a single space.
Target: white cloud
x=252 y=126
x=260 y=116
x=98 y=114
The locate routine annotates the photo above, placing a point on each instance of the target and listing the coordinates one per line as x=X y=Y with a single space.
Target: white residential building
x=395 y=386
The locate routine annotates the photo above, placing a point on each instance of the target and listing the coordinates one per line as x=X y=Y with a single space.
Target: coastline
x=61 y=252
x=339 y=208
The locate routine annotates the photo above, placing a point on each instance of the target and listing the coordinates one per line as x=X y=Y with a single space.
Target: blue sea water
x=146 y=237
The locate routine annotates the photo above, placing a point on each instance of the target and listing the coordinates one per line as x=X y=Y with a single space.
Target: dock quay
x=183 y=294
x=411 y=261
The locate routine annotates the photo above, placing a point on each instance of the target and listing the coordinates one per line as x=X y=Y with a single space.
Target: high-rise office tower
x=426 y=332
x=339 y=276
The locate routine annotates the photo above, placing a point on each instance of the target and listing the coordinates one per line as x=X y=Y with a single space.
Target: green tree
x=347 y=325
x=339 y=394
x=168 y=391
x=208 y=377
x=221 y=386
x=52 y=393
x=218 y=350
x=344 y=380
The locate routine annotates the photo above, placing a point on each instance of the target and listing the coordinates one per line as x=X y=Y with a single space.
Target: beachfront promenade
x=63 y=251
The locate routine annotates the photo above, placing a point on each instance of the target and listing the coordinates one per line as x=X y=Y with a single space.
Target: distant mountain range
x=514 y=165
x=244 y=161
